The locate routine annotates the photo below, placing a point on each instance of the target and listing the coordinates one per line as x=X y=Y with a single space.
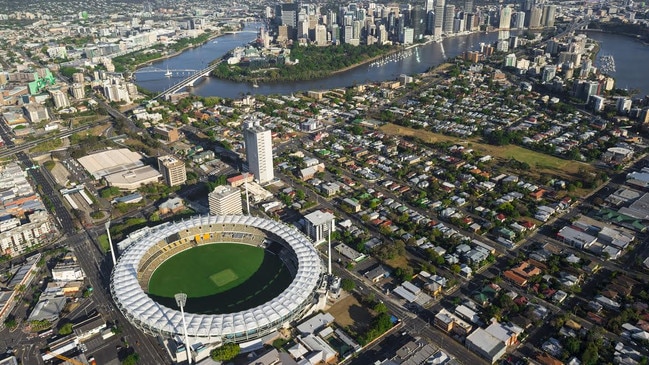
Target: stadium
x=142 y=261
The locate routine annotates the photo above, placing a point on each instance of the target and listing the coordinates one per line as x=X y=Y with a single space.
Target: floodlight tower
x=110 y=242
x=245 y=181
x=329 y=238
x=181 y=299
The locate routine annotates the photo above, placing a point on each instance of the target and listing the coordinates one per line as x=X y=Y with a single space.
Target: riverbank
x=628 y=35
x=140 y=65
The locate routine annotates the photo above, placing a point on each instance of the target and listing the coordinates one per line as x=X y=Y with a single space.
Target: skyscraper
x=225 y=200
x=505 y=18
x=468 y=6
x=449 y=15
x=429 y=5
x=439 y=18
x=418 y=22
x=288 y=14
x=259 y=151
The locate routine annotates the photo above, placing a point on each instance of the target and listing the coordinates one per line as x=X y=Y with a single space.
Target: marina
x=607 y=63
x=394 y=57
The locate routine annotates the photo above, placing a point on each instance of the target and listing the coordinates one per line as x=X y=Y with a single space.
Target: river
x=421 y=59
x=631 y=60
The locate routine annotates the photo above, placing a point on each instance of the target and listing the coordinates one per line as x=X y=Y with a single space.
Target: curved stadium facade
x=130 y=277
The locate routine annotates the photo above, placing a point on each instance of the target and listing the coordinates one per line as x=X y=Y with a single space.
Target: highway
x=12 y=149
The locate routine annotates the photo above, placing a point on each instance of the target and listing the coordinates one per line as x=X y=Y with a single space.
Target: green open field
x=220 y=278
x=538 y=161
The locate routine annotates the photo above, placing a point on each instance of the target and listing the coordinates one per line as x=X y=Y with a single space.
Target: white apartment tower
x=259 y=151
x=225 y=200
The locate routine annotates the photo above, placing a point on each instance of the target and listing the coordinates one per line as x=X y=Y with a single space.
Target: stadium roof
x=151 y=316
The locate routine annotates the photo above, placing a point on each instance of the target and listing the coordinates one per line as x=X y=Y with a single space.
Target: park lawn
x=539 y=162
x=398 y=261
x=206 y=270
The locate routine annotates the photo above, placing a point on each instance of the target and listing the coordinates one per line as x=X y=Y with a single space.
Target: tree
x=226 y=352
x=131 y=359
x=66 y=329
x=380 y=307
x=347 y=284
x=11 y=322
x=300 y=195
x=573 y=345
x=357 y=130
x=590 y=355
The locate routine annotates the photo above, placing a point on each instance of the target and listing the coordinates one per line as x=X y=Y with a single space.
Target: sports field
x=220 y=278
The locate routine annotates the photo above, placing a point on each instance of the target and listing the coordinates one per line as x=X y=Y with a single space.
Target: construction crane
x=66 y=359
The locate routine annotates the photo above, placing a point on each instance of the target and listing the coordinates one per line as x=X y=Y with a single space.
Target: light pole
x=181 y=299
x=110 y=242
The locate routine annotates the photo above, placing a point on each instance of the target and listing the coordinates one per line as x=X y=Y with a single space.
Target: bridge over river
x=187 y=82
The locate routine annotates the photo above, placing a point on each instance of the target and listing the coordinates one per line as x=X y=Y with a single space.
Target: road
x=44 y=183
x=97 y=267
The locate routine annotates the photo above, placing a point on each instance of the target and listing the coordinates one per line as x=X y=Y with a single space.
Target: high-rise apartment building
x=78 y=77
x=172 y=170
x=77 y=90
x=535 y=17
x=259 y=151
x=549 y=13
x=518 y=20
x=225 y=200
x=318 y=224
x=60 y=99
x=505 y=18
x=644 y=119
